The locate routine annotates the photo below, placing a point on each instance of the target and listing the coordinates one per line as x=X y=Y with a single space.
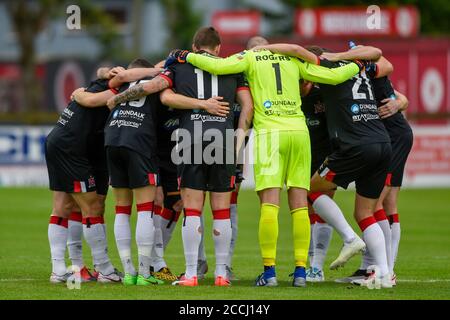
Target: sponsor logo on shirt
x=206 y=118
x=124 y=123
x=267 y=104
x=364 y=112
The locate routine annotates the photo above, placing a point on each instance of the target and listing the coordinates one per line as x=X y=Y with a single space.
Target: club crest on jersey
x=267 y=104
x=355 y=109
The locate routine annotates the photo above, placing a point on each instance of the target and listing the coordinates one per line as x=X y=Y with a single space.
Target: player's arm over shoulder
x=323 y=74
x=98 y=98
x=236 y=63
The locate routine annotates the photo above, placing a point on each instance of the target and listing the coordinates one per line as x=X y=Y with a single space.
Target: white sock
x=145 y=236
x=157 y=256
x=311 y=245
x=322 y=236
x=234 y=231
x=74 y=239
x=395 y=233
x=367 y=259
x=94 y=233
x=168 y=225
x=374 y=238
x=328 y=210
x=191 y=233
x=122 y=233
x=222 y=239
x=201 y=246
x=384 y=225
x=57 y=237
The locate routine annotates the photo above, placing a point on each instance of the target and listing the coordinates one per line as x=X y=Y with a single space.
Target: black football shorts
x=401 y=146
x=168 y=180
x=213 y=177
x=367 y=165
x=67 y=172
x=318 y=156
x=130 y=169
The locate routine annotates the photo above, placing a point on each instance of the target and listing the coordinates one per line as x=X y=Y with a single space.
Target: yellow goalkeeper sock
x=301 y=234
x=268 y=233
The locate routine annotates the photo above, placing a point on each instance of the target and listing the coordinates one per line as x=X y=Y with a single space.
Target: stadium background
x=42 y=61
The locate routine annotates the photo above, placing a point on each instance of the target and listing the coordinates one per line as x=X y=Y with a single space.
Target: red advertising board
x=237 y=23
x=363 y=21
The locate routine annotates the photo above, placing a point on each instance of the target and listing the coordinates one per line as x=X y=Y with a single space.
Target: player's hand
x=389 y=108
x=259 y=48
x=160 y=65
x=330 y=56
x=216 y=106
x=110 y=103
x=176 y=55
x=114 y=71
x=73 y=96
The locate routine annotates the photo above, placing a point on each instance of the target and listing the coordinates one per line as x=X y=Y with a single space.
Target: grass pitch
x=423 y=266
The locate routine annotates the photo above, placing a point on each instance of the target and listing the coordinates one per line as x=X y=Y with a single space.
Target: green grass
x=423 y=266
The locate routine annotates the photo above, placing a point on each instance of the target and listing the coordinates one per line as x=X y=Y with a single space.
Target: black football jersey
x=351 y=111
x=132 y=124
x=79 y=127
x=313 y=108
x=168 y=122
x=396 y=124
x=196 y=83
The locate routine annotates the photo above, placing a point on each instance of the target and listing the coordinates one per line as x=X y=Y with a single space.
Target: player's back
x=351 y=111
x=274 y=82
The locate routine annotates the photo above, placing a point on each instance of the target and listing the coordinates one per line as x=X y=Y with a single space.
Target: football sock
x=169 y=219
x=383 y=222
x=374 y=238
x=122 y=233
x=234 y=226
x=57 y=237
x=145 y=235
x=157 y=255
x=268 y=233
x=312 y=223
x=94 y=233
x=301 y=233
x=222 y=238
x=321 y=238
x=191 y=233
x=328 y=210
x=74 y=239
x=395 y=231
x=201 y=246
x=367 y=259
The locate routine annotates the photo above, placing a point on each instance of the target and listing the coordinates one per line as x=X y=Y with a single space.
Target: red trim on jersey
x=146 y=206
x=388 y=182
x=312 y=197
x=380 y=215
x=242 y=88
x=367 y=222
x=318 y=60
x=192 y=212
x=330 y=175
x=93 y=220
x=158 y=210
x=63 y=222
x=123 y=210
x=76 y=186
x=167 y=214
x=167 y=79
x=76 y=216
x=152 y=177
x=232 y=181
x=234 y=196
x=394 y=218
x=221 y=214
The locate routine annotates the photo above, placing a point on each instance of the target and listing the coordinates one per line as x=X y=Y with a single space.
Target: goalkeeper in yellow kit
x=282 y=146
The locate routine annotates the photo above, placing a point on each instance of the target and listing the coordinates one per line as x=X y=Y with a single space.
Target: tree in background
x=182 y=23
x=434 y=14
x=29 y=19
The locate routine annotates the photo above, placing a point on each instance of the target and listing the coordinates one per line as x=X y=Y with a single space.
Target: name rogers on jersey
x=130 y=118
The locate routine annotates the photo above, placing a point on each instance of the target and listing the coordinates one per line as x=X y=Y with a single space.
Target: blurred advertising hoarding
x=22 y=157
x=357 y=21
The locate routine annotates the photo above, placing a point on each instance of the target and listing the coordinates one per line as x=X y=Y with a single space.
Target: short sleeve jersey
x=351 y=111
x=79 y=126
x=132 y=124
